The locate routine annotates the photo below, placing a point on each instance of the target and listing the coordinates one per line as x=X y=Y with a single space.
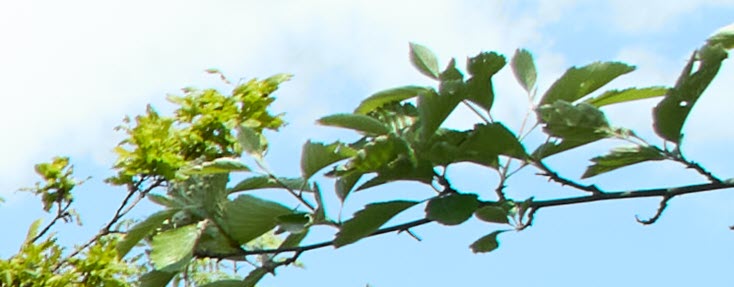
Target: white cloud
x=641 y=17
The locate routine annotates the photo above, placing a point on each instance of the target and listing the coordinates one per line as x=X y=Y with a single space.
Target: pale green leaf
x=389 y=96
x=579 y=82
x=172 y=249
x=434 y=109
x=424 y=60
x=251 y=141
x=220 y=165
x=724 y=37
x=33 y=230
x=452 y=209
x=523 y=67
x=494 y=214
x=357 y=122
x=487 y=243
x=316 y=156
x=141 y=230
x=368 y=220
x=264 y=182
x=621 y=157
x=344 y=185
x=580 y=122
x=248 y=217
x=626 y=95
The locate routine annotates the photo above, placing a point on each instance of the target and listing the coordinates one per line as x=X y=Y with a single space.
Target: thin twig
x=476 y=111
x=61 y=213
x=554 y=176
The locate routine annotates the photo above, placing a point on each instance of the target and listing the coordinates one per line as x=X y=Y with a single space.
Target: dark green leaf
x=487 y=243
x=493 y=139
x=378 y=154
x=424 y=60
x=446 y=148
x=293 y=223
x=580 y=122
x=255 y=276
x=142 y=229
x=451 y=73
x=368 y=220
x=172 y=249
x=482 y=67
x=523 y=67
x=316 y=156
x=161 y=200
x=345 y=184
x=389 y=96
x=156 y=278
x=579 y=82
x=263 y=182
x=494 y=214
x=621 y=157
x=434 y=109
x=626 y=95
x=220 y=165
x=357 y=122
x=551 y=148
x=452 y=209
x=248 y=217
x=402 y=169
x=293 y=239
x=224 y=283
x=671 y=113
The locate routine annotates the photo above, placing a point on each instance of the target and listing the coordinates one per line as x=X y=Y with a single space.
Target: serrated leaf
x=141 y=230
x=494 y=214
x=264 y=182
x=220 y=165
x=671 y=113
x=368 y=220
x=255 y=276
x=424 y=60
x=172 y=249
x=493 y=139
x=580 y=122
x=247 y=217
x=156 y=278
x=523 y=67
x=452 y=209
x=479 y=87
x=344 y=185
x=724 y=37
x=579 y=82
x=394 y=95
x=445 y=148
x=251 y=141
x=316 y=156
x=358 y=122
x=626 y=95
x=224 y=283
x=487 y=243
x=379 y=153
x=433 y=110
x=621 y=157
x=293 y=223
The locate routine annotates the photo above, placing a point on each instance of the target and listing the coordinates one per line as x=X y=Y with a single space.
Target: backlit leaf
x=251 y=141
x=626 y=95
x=368 y=220
x=316 y=156
x=389 y=96
x=172 y=249
x=452 y=209
x=523 y=67
x=142 y=229
x=424 y=60
x=724 y=37
x=357 y=122
x=579 y=82
x=220 y=165
x=621 y=157
x=263 y=182
x=248 y=217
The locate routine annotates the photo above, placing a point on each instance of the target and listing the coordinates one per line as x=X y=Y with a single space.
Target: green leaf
x=294 y=223
x=389 y=96
x=172 y=249
x=626 y=95
x=424 y=60
x=316 y=156
x=451 y=73
x=724 y=37
x=551 y=148
x=378 y=154
x=224 y=283
x=621 y=157
x=156 y=278
x=161 y=200
x=479 y=87
x=671 y=113
x=493 y=139
x=494 y=214
x=251 y=141
x=344 y=185
x=368 y=220
x=33 y=230
x=220 y=165
x=402 y=169
x=142 y=229
x=434 y=109
x=248 y=217
x=357 y=122
x=447 y=147
x=263 y=182
x=580 y=122
x=293 y=239
x=452 y=209
x=487 y=243
x=579 y=82
x=523 y=67
x=255 y=276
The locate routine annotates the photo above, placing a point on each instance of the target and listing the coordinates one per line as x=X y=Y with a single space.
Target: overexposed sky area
x=71 y=70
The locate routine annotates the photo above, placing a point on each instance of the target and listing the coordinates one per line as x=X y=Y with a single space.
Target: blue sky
x=71 y=70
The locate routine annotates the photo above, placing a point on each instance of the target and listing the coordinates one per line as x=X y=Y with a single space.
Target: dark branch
x=554 y=176
x=654 y=218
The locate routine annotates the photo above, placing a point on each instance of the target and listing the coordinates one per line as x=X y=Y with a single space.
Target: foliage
x=185 y=163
